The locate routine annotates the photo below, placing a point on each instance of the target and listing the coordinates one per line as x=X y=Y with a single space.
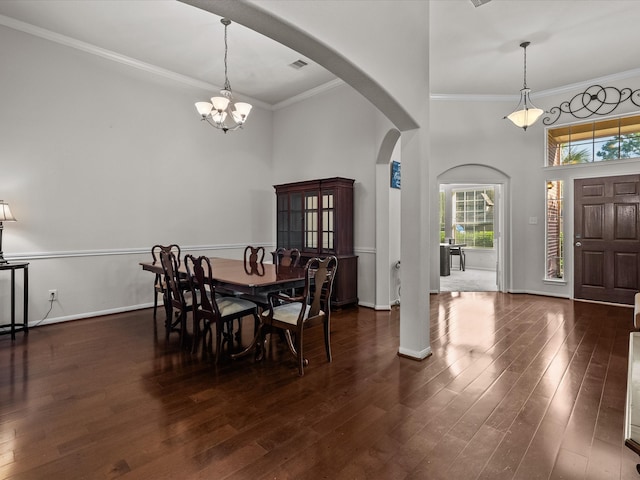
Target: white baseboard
x=80 y=316
x=417 y=355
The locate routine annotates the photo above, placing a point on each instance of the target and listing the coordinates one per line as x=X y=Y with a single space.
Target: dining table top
x=244 y=276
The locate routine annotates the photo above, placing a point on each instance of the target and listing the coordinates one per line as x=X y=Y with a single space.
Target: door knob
x=578 y=244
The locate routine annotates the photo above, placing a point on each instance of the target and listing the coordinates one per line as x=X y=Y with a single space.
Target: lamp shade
x=243 y=109
x=5 y=213
x=204 y=108
x=526 y=117
x=220 y=103
x=219 y=117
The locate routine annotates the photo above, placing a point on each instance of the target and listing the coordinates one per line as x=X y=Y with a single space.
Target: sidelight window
x=554 y=230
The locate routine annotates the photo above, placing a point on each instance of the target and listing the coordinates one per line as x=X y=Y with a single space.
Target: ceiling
x=473 y=51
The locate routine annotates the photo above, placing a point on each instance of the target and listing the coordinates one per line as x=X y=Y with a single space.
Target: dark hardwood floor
x=518 y=387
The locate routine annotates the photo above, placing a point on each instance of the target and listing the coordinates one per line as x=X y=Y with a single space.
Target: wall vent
x=298 y=64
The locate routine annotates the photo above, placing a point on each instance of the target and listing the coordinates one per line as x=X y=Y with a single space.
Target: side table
x=24 y=326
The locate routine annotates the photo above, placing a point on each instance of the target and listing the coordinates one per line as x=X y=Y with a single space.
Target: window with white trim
x=594 y=141
x=473 y=217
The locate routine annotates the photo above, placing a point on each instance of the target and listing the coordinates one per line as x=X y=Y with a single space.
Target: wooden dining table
x=240 y=276
x=255 y=280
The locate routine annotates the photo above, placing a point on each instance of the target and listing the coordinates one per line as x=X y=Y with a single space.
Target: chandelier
x=526 y=112
x=223 y=113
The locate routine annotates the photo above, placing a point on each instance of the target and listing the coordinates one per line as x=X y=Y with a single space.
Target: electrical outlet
x=53 y=295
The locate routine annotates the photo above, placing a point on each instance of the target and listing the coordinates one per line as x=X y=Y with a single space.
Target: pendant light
x=526 y=113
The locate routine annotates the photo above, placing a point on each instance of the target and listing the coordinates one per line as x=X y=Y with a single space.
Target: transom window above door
x=595 y=141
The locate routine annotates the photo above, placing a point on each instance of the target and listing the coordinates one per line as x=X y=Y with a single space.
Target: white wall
x=473 y=132
x=100 y=161
x=335 y=134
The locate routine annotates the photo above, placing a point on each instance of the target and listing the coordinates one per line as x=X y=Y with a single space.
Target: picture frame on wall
x=395 y=174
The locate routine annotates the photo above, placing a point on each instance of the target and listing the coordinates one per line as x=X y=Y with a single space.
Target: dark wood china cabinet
x=316 y=217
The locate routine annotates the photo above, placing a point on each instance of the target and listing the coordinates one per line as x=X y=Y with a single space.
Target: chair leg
x=183 y=329
x=290 y=345
x=239 y=331
x=259 y=337
x=168 y=312
x=218 y=353
x=196 y=335
x=327 y=342
x=155 y=302
x=168 y=322
x=301 y=360
x=205 y=333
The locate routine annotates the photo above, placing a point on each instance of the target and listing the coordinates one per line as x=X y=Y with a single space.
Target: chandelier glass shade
x=526 y=113
x=223 y=113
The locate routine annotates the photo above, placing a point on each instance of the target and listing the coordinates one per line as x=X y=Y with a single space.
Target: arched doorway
x=469 y=177
x=387 y=225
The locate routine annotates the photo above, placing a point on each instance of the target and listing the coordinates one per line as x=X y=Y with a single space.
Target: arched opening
x=414 y=317
x=387 y=224
x=461 y=180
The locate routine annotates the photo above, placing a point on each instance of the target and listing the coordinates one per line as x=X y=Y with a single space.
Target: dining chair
x=254 y=254
x=287 y=257
x=292 y=314
x=459 y=252
x=159 y=286
x=254 y=260
x=213 y=309
x=177 y=301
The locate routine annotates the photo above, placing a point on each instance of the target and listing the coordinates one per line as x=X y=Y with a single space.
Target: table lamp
x=5 y=216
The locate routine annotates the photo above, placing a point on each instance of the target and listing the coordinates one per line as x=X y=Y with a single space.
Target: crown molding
x=540 y=94
x=193 y=82
x=117 y=57
x=472 y=97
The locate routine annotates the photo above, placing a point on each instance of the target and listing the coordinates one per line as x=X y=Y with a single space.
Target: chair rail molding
x=121 y=251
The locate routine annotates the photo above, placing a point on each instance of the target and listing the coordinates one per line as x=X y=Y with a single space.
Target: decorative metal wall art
x=595 y=100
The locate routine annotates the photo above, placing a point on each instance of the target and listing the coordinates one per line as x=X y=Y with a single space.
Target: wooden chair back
x=254 y=254
x=156 y=249
x=319 y=277
x=175 y=301
x=254 y=260
x=287 y=257
x=199 y=273
x=170 y=266
x=155 y=254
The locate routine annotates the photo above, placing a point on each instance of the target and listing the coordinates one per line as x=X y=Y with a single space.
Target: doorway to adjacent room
x=468 y=237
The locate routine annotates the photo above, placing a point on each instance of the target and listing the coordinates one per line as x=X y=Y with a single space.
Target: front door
x=607 y=239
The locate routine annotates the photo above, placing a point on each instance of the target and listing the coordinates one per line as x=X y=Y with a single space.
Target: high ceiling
x=474 y=51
